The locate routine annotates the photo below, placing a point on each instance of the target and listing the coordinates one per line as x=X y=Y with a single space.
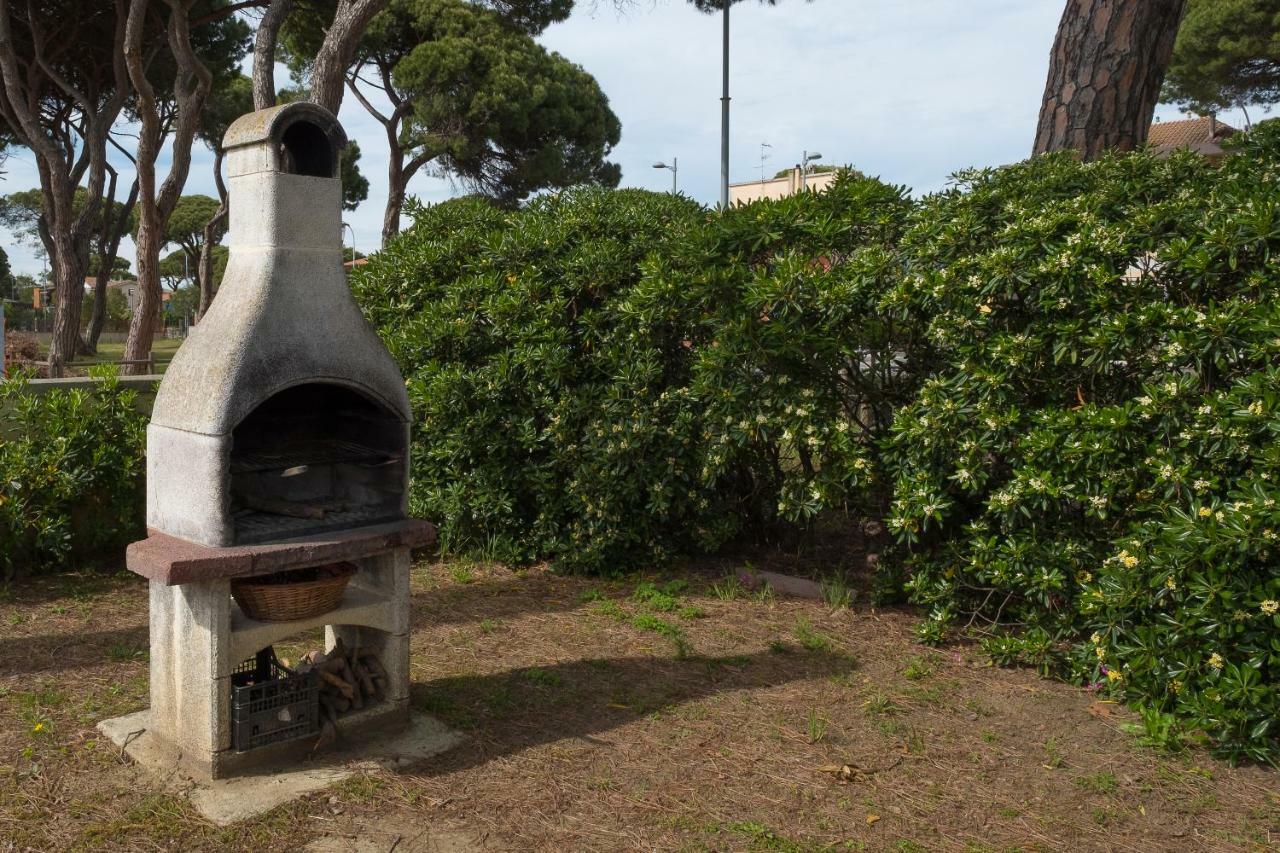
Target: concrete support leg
x=195 y=628
x=191 y=668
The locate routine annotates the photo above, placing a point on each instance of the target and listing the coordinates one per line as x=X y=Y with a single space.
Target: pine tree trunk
x=68 y=287
x=395 y=190
x=155 y=206
x=329 y=71
x=204 y=269
x=264 y=53
x=1105 y=72
x=108 y=250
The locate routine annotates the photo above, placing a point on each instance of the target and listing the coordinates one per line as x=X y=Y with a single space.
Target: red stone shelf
x=174 y=561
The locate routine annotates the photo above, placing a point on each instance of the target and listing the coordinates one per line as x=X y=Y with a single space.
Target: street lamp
x=804 y=166
x=724 y=117
x=675 y=173
x=352 y=231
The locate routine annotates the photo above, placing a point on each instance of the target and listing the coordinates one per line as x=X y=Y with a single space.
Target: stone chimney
x=283 y=362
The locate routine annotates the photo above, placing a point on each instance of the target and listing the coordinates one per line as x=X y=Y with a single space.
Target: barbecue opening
x=313 y=458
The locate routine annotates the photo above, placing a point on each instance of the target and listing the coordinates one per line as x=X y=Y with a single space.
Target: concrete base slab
x=227 y=801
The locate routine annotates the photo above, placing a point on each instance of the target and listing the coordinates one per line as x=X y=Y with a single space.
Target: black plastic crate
x=271 y=703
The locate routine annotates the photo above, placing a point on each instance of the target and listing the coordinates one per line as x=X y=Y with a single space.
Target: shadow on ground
x=506 y=598
x=507 y=712
x=57 y=652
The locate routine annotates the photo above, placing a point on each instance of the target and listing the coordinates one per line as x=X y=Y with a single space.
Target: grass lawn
x=163 y=349
x=677 y=712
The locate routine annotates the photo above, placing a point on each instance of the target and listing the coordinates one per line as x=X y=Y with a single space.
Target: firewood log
x=328 y=725
x=348 y=691
x=357 y=701
x=333 y=665
x=365 y=680
x=374 y=662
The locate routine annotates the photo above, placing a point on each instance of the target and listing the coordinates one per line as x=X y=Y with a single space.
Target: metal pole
x=675 y=175
x=804 y=165
x=352 y=231
x=724 y=118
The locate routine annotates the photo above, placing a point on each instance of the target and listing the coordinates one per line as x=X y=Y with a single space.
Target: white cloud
x=910 y=90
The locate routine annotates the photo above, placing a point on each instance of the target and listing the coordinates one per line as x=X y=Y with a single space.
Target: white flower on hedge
x=1098 y=501
x=1216 y=661
x=1270 y=607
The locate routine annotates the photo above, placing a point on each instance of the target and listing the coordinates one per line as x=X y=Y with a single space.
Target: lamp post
x=352 y=232
x=724 y=116
x=675 y=173
x=804 y=166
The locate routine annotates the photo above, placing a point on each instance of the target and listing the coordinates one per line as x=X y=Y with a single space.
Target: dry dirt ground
x=632 y=715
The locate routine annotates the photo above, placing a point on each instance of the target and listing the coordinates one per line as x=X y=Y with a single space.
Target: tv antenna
x=764 y=155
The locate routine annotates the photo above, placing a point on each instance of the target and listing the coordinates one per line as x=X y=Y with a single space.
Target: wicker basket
x=292 y=595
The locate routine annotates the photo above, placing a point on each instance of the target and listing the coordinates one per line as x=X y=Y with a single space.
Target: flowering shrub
x=1094 y=456
x=71 y=471
x=1055 y=381
x=605 y=378
x=796 y=370
x=545 y=423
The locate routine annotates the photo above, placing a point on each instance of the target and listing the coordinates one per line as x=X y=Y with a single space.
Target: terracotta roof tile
x=1188 y=133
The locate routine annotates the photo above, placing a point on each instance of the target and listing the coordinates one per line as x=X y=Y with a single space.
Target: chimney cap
x=305 y=138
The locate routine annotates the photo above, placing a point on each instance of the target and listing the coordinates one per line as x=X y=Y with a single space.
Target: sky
x=907 y=90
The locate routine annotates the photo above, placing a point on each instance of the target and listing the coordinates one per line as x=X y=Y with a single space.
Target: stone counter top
x=174 y=561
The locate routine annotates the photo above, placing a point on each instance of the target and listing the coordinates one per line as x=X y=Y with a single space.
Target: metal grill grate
x=256 y=527
x=328 y=452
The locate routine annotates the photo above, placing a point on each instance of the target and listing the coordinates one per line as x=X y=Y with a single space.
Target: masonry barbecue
x=279 y=440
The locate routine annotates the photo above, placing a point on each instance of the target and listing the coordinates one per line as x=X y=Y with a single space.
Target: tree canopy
x=473 y=96
x=6 y=275
x=23 y=213
x=1227 y=55
x=499 y=110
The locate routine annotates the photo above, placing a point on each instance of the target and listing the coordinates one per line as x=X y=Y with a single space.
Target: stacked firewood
x=350 y=679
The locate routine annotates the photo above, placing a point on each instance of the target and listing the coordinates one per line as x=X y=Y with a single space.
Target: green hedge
x=71 y=476
x=608 y=378
x=1054 y=381
x=1093 y=458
